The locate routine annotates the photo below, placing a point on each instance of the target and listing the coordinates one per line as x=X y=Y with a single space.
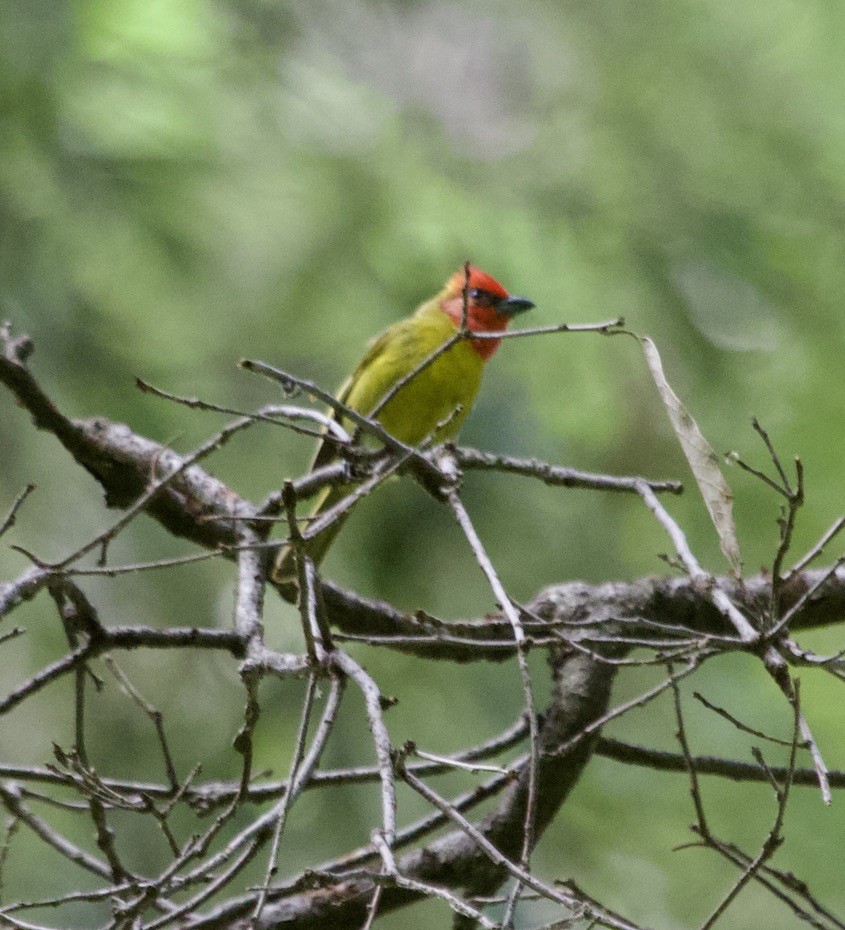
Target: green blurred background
x=185 y=182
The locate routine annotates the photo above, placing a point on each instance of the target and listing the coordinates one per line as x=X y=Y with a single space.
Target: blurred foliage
x=187 y=182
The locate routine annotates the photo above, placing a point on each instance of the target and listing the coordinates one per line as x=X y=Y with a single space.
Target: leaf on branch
x=703 y=460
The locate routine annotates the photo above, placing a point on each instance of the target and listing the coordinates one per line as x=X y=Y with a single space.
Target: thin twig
x=454 y=763
x=553 y=894
x=211 y=888
x=431 y=891
x=366 y=487
x=154 y=715
x=512 y=615
x=9 y=520
x=381 y=738
x=772 y=452
x=10 y=796
x=774 y=840
x=807 y=596
x=710 y=584
x=604 y=328
x=285 y=804
x=681 y=736
x=12 y=827
x=558 y=475
x=738 y=723
x=813 y=553
x=623 y=708
x=267 y=414
x=733 y=769
x=291 y=382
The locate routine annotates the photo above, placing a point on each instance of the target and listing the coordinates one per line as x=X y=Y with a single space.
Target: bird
x=429 y=404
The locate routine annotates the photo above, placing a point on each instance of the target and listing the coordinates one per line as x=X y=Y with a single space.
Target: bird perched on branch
x=412 y=400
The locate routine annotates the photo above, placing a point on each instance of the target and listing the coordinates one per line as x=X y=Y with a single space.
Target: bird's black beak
x=510 y=306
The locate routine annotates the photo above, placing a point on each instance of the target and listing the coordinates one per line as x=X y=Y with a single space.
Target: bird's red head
x=478 y=281
x=489 y=306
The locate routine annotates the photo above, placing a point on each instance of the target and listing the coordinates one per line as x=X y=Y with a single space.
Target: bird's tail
x=284 y=572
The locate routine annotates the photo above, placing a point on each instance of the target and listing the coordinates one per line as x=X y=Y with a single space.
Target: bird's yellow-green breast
x=449 y=384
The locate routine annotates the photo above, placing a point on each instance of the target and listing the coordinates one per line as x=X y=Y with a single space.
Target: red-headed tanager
x=435 y=402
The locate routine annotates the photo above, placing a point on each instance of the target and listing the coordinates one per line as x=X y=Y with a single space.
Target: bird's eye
x=483 y=298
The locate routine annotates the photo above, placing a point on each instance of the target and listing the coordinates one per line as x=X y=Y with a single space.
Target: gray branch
x=602 y=621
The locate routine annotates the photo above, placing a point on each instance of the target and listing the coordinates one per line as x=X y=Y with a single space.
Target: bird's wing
x=325 y=452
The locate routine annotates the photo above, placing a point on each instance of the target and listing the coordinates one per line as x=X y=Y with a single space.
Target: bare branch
x=116 y=638
x=706 y=765
x=567 y=900
x=557 y=475
x=381 y=738
x=720 y=599
x=813 y=553
x=290 y=383
x=589 y=632
x=10 y=796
